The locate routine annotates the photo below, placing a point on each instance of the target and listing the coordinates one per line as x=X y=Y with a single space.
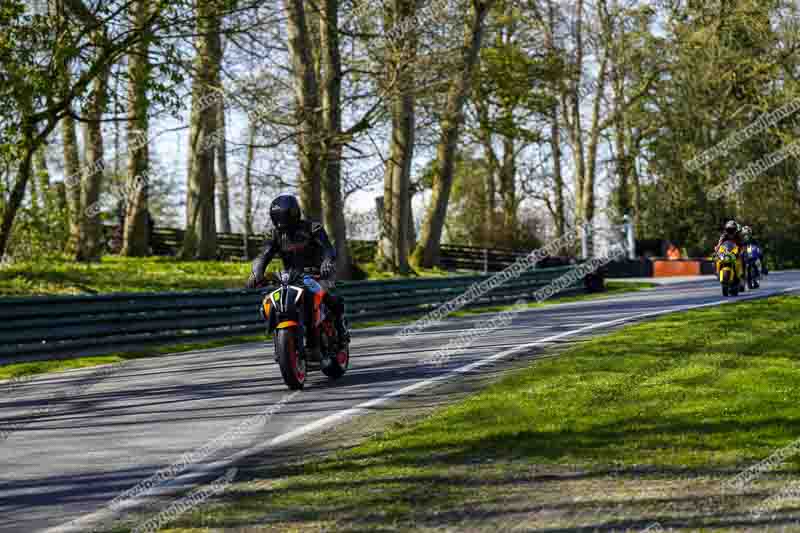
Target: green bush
x=39 y=232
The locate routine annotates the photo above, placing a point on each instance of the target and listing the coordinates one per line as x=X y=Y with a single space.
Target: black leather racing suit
x=303 y=248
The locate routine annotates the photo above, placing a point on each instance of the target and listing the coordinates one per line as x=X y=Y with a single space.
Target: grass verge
x=119 y=274
x=623 y=431
x=142 y=274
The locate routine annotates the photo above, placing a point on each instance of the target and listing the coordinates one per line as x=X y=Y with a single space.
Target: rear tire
x=337 y=364
x=734 y=290
x=292 y=363
x=724 y=290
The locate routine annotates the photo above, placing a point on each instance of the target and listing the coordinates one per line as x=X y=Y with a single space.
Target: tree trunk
x=43 y=178
x=248 y=190
x=223 y=197
x=637 y=191
x=90 y=229
x=397 y=180
x=200 y=240
x=451 y=123
x=508 y=190
x=306 y=88
x=588 y=196
x=411 y=231
x=332 y=120
x=558 y=178
x=493 y=165
x=135 y=240
x=20 y=183
x=34 y=192
x=555 y=136
x=576 y=128
x=14 y=201
x=72 y=183
x=620 y=130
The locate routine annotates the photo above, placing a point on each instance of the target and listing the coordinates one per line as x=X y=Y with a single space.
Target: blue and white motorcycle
x=753 y=266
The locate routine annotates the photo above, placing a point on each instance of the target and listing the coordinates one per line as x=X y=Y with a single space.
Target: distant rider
x=301 y=245
x=732 y=233
x=747 y=236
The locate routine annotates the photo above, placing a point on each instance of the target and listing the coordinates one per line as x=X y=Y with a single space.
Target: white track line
x=102 y=516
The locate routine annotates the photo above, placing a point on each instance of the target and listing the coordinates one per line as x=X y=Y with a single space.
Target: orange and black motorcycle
x=284 y=308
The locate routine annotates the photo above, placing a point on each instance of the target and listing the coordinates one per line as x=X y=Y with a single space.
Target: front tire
x=292 y=362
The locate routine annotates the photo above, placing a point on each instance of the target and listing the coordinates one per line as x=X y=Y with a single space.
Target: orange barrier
x=673 y=267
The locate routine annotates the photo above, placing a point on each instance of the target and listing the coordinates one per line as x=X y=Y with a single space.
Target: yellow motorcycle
x=726 y=258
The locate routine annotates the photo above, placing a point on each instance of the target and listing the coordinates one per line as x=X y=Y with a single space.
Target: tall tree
x=43 y=178
x=135 y=231
x=333 y=202
x=307 y=107
x=74 y=47
x=223 y=194
x=248 y=187
x=427 y=252
x=200 y=240
x=89 y=248
x=72 y=181
x=558 y=211
x=401 y=56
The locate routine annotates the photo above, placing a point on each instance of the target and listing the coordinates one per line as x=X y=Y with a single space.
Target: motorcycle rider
x=733 y=233
x=301 y=244
x=747 y=236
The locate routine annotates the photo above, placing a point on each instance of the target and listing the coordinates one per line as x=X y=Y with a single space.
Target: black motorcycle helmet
x=285 y=212
x=731 y=228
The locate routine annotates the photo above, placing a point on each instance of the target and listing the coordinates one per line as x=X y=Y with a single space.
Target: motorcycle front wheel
x=291 y=361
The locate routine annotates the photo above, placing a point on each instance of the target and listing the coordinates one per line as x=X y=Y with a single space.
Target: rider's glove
x=327 y=268
x=252 y=282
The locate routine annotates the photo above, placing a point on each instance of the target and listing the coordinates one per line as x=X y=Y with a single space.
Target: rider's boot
x=342 y=331
x=741 y=272
x=313 y=352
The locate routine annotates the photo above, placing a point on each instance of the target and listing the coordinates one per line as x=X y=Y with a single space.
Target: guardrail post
x=485 y=261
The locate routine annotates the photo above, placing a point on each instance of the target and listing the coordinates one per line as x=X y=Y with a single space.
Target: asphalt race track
x=71 y=442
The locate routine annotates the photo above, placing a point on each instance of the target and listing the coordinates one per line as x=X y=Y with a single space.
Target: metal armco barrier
x=71 y=326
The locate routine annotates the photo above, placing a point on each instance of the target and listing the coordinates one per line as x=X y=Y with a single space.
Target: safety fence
x=168 y=242
x=454 y=256
x=71 y=326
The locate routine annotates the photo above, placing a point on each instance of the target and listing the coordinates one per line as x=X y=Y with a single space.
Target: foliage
x=40 y=232
x=724 y=62
x=466 y=218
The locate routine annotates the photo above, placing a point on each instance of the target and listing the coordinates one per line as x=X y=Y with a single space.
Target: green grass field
x=666 y=404
x=121 y=274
